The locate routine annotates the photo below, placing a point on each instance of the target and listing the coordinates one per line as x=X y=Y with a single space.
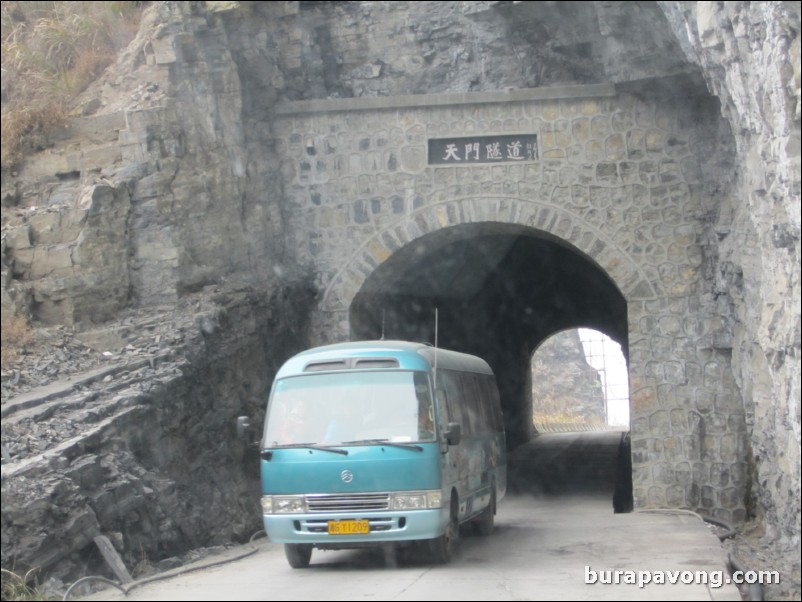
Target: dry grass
x=27 y=129
x=50 y=52
x=555 y=410
x=16 y=334
x=18 y=587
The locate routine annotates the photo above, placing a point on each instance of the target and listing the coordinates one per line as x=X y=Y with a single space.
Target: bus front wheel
x=442 y=548
x=298 y=554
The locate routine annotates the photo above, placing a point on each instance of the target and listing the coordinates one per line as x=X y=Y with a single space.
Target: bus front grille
x=347 y=502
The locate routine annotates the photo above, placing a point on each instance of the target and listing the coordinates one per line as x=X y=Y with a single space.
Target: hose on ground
x=125 y=589
x=755 y=589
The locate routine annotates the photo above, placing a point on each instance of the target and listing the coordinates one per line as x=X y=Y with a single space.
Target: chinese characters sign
x=483 y=149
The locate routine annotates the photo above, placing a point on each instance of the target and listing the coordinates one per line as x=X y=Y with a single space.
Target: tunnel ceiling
x=492 y=284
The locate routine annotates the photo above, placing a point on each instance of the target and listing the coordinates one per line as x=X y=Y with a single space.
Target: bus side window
x=425 y=409
x=492 y=403
x=470 y=421
x=454 y=399
x=473 y=402
x=486 y=403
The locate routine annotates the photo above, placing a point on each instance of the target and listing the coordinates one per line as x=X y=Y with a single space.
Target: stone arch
x=561 y=224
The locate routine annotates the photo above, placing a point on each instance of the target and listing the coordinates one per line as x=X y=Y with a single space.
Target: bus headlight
x=417 y=500
x=409 y=501
x=283 y=504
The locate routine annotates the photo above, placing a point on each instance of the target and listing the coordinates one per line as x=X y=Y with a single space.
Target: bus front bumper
x=385 y=526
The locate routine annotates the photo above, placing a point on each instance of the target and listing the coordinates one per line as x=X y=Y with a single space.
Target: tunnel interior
x=498 y=290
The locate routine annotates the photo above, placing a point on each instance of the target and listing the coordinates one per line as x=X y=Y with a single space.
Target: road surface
x=543 y=547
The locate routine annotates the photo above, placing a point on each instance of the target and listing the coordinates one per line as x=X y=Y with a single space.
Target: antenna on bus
x=382 y=325
x=436 y=325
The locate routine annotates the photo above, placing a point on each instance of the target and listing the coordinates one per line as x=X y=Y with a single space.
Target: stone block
x=669 y=171
x=656 y=497
x=96 y=128
x=640 y=497
x=729 y=446
x=580 y=129
x=20 y=237
x=621 y=121
x=607 y=173
x=53 y=260
x=600 y=127
x=663 y=473
x=730 y=498
x=719 y=475
x=99 y=156
x=590 y=107
x=693 y=495
x=679 y=420
x=659 y=424
x=709 y=448
x=594 y=150
x=629 y=171
x=655 y=141
x=615 y=149
x=672 y=449
x=675 y=496
x=45 y=165
x=692 y=446
x=683 y=474
x=708 y=497
x=644 y=113
x=550 y=111
x=412 y=158
x=164 y=50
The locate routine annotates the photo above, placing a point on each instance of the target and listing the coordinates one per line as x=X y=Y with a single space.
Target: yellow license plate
x=348 y=527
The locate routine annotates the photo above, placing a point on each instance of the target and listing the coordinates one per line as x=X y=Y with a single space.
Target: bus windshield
x=349 y=408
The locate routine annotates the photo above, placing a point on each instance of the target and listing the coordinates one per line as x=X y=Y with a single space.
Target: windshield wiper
x=386 y=442
x=334 y=450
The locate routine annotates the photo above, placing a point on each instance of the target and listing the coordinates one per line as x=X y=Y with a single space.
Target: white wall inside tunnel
x=605 y=355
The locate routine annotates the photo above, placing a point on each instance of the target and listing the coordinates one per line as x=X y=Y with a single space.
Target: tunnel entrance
x=580 y=414
x=499 y=290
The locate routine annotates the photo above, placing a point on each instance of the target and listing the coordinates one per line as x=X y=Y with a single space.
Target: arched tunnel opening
x=498 y=291
x=580 y=382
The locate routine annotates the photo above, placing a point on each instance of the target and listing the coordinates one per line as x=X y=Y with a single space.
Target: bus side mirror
x=453 y=433
x=245 y=430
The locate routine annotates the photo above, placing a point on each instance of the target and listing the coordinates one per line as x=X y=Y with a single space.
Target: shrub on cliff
x=50 y=52
x=16 y=333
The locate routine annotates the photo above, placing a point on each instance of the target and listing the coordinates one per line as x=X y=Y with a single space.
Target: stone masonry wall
x=618 y=179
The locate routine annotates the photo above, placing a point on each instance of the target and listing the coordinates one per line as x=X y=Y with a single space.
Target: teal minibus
x=381 y=443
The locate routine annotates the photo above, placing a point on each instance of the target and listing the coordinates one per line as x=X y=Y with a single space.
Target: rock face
x=144 y=451
x=749 y=54
x=178 y=176
x=564 y=384
x=158 y=199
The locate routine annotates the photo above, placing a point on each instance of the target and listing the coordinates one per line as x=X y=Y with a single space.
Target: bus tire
x=441 y=549
x=484 y=523
x=298 y=554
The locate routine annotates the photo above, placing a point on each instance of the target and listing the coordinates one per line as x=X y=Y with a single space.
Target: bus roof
x=400 y=355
